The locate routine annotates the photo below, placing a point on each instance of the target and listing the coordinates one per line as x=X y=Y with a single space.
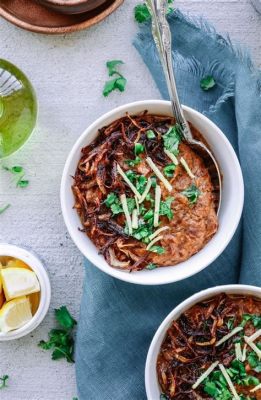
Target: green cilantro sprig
x=19 y=172
x=165 y=208
x=192 y=193
x=3 y=381
x=118 y=82
x=207 y=83
x=61 y=340
x=4 y=208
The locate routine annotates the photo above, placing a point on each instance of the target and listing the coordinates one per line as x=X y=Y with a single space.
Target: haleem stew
x=145 y=198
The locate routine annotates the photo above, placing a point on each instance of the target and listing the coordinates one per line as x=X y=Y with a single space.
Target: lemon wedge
x=15 y=314
x=18 y=282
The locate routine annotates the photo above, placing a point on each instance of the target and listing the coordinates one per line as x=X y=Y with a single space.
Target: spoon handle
x=162 y=38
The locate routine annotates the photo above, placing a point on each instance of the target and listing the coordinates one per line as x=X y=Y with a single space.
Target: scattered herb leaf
x=61 y=341
x=19 y=171
x=192 y=193
x=4 y=208
x=111 y=66
x=118 y=83
x=23 y=183
x=142 y=14
x=207 y=83
x=3 y=381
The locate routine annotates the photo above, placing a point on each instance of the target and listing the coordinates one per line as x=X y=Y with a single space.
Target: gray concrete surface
x=68 y=73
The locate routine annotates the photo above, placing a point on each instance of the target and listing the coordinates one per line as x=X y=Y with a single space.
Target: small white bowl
x=151 y=379
x=230 y=212
x=35 y=264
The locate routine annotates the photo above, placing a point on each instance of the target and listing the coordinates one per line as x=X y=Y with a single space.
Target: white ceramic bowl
x=151 y=380
x=230 y=212
x=35 y=264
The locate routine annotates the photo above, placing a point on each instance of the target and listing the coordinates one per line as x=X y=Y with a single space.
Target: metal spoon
x=162 y=38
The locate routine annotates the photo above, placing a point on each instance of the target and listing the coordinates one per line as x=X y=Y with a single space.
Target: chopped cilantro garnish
x=113 y=202
x=253 y=318
x=169 y=170
x=165 y=207
x=157 y=249
x=138 y=148
x=150 y=134
x=23 y=183
x=3 y=381
x=149 y=214
x=230 y=323
x=4 y=208
x=143 y=232
x=61 y=340
x=141 y=182
x=119 y=82
x=151 y=266
x=207 y=83
x=192 y=193
x=254 y=361
x=172 y=139
x=132 y=163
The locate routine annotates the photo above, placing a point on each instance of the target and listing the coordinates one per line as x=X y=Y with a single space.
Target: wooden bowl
x=72 y=6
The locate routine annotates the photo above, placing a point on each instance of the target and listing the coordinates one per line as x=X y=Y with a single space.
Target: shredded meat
x=189 y=346
x=192 y=225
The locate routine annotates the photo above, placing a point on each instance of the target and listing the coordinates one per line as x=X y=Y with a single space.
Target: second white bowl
x=151 y=379
x=230 y=212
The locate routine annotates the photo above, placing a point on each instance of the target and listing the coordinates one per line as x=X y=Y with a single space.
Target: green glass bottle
x=18 y=109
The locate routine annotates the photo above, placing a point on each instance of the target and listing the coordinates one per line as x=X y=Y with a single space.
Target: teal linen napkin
x=118 y=320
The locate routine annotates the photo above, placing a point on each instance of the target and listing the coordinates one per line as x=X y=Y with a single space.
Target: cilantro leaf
x=169 y=170
x=157 y=249
x=23 y=183
x=138 y=148
x=172 y=139
x=150 y=134
x=141 y=182
x=61 y=341
x=3 y=381
x=207 y=83
x=114 y=84
x=4 y=208
x=64 y=318
x=192 y=193
x=111 y=66
x=110 y=199
x=151 y=266
x=165 y=207
x=141 y=13
x=132 y=163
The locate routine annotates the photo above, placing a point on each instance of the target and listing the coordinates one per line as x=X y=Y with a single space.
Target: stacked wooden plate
x=56 y=16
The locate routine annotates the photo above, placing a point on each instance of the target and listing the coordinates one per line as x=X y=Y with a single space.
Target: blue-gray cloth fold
x=118 y=320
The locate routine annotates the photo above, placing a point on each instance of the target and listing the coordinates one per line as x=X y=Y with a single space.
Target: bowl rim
x=178 y=310
x=70 y=3
x=36 y=265
x=122 y=275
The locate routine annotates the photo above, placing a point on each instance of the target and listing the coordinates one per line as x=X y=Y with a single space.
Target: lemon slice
x=15 y=314
x=18 y=282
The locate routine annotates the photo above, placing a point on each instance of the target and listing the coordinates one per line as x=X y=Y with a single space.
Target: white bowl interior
x=230 y=212
x=36 y=265
x=151 y=380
